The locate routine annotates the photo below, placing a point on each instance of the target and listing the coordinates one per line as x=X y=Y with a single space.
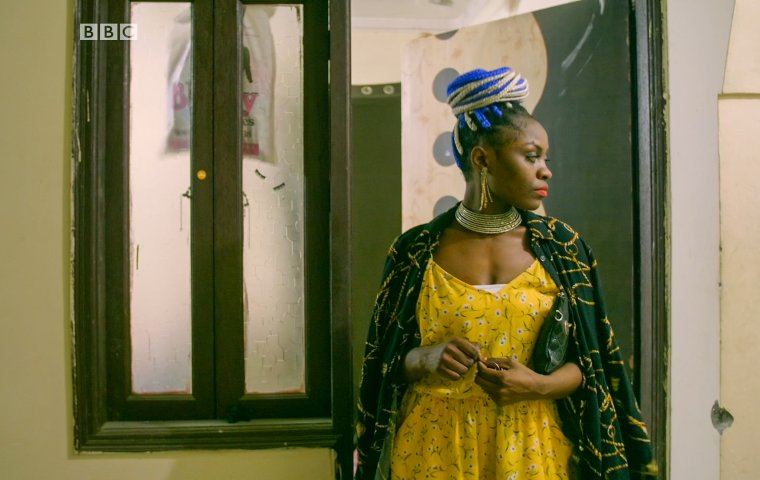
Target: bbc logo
x=108 y=31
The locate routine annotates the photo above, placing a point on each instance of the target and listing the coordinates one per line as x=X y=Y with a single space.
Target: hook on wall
x=189 y=195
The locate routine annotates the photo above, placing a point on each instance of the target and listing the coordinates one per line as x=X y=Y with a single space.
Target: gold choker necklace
x=486 y=223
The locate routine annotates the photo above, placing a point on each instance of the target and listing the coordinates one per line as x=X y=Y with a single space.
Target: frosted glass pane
x=272 y=82
x=159 y=184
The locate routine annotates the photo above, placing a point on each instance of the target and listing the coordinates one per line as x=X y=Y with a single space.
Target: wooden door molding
x=652 y=288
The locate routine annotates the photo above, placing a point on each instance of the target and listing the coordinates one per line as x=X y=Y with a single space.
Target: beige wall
x=739 y=109
x=35 y=222
x=376 y=55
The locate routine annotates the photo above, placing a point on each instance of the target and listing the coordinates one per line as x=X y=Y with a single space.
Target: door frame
x=651 y=204
x=652 y=287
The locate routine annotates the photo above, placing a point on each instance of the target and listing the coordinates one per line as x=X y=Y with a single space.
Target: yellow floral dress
x=453 y=429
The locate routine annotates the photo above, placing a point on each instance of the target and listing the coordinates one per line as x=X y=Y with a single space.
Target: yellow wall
x=35 y=342
x=739 y=110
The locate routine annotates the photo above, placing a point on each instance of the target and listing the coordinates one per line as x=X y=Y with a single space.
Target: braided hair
x=485 y=103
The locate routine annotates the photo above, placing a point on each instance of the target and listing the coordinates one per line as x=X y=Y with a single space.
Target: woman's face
x=518 y=173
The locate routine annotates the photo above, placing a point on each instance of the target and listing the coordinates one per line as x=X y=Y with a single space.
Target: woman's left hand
x=507 y=381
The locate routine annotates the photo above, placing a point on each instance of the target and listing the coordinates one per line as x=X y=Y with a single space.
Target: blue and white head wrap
x=474 y=94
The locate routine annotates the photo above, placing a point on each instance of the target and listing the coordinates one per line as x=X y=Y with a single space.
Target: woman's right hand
x=451 y=359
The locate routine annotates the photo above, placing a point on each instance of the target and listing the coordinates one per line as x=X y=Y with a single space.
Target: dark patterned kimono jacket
x=601 y=418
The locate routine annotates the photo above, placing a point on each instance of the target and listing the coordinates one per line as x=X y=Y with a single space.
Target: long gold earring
x=485 y=192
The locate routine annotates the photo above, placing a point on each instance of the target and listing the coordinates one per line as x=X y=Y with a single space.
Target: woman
x=448 y=390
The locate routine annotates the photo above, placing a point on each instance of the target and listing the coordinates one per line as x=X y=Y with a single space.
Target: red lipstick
x=544 y=191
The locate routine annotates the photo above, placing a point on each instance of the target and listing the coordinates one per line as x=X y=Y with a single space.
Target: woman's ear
x=478 y=157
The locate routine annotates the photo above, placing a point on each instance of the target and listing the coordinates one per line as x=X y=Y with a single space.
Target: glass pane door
x=273 y=198
x=160 y=198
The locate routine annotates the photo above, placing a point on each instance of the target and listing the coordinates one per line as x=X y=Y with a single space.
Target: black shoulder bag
x=553 y=339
